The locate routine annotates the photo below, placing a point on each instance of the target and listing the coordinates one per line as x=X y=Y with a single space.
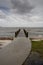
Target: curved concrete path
x=16 y=52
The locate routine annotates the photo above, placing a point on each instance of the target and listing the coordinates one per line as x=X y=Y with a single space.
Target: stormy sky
x=26 y=10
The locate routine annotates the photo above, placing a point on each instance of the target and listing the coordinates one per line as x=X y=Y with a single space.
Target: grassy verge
x=37 y=46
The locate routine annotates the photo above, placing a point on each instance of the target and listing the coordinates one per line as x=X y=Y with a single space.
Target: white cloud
x=17 y=21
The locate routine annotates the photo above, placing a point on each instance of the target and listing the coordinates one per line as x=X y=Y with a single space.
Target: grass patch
x=37 y=46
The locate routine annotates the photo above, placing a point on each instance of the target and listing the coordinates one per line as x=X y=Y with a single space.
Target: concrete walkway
x=21 y=34
x=16 y=52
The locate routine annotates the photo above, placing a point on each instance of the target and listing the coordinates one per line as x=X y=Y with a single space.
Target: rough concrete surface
x=16 y=52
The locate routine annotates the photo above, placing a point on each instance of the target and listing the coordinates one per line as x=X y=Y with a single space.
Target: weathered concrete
x=16 y=52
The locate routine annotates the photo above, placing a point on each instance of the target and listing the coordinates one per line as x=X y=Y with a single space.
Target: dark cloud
x=5 y=4
x=22 y=6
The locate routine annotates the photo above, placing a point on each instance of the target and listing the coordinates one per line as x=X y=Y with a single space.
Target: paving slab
x=16 y=52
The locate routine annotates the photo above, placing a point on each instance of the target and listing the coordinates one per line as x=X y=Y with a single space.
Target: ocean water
x=10 y=31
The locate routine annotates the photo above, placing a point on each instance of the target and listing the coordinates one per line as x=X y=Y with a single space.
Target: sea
x=10 y=31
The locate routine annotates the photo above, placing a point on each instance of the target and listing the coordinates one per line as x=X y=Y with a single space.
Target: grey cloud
x=5 y=4
x=38 y=10
x=37 y=2
x=22 y=6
